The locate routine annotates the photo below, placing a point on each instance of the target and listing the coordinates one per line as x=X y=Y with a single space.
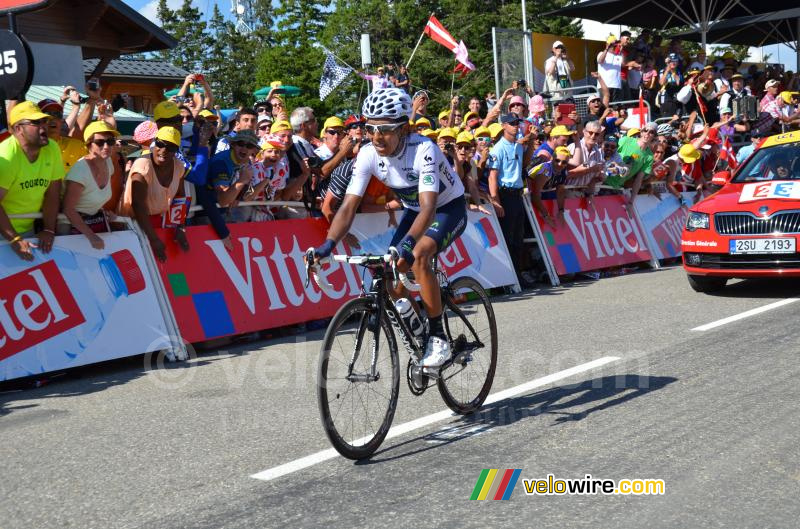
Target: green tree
x=186 y=26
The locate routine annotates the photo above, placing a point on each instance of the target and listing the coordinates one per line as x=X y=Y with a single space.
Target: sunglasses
x=383 y=129
x=484 y=139
x=36 y=123
x=610 y=146
x=170 y=147
x=264 y=127
x=561 y=162
x=262 y=110
x=594 y=133
x=354 y=126
x=334 y=132
x=100 y=143
x=463 y=147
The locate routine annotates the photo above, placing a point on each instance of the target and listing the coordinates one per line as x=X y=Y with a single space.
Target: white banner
x=480 y=252
x=663 y=220
x=76 y=306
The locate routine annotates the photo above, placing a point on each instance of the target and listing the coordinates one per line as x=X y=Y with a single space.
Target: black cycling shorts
x=448 y=223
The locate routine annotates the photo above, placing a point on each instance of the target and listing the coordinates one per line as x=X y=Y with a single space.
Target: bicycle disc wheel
x=466 y=379
x=357 y=404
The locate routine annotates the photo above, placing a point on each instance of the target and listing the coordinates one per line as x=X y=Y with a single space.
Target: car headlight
x=697 y=221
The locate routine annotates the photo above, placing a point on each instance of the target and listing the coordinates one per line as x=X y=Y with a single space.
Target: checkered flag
x=332 y=75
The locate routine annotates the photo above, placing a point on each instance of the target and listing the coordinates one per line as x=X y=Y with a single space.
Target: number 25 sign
x=16 y=64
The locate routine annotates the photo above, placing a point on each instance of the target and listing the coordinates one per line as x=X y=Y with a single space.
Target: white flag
x=332 y=75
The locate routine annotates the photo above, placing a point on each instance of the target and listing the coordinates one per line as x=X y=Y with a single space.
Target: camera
x=315 y=162
x=198 y=77
x=522 y=83
x=93 y=84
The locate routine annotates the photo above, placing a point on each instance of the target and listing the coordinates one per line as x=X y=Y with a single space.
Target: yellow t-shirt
x=25 y=183
x=72 y=150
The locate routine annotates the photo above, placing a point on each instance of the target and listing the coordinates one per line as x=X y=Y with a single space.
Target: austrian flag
x=435 y=30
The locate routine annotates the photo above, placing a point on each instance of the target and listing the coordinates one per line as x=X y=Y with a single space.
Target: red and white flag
x=726 y=153
x=435 y=30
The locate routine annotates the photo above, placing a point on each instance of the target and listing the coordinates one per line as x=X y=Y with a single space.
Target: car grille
x=747 y=224
x=721 y=261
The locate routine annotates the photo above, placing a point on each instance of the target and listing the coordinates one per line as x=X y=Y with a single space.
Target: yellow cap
x=563 y=151
x=688 y=153
x=495 y=129
x=560 y=130
x=632 y=132
x=98 y=127
x=448 y=133
x=165 y=110
x=465 y=137
x=26 y=110
x=444 y=114
x=430 y=133
x=470 y=115
x=280 y=125
x=170 y=134
x=332 y=121
x=423 y=121
x=482 y=131
x=207 y=114
x=787 y=96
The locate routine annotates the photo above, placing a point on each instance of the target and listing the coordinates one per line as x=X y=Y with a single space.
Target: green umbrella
x=174 y=91
x=284 y=90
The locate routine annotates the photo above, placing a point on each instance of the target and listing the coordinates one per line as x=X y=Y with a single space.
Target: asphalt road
x=713 y=414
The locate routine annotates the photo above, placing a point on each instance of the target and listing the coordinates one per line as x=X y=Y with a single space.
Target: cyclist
x=432 y=196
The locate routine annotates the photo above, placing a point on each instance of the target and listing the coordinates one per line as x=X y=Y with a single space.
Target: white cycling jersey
x=420 y=166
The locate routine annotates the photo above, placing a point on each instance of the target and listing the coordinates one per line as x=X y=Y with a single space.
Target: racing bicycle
x=358 y=380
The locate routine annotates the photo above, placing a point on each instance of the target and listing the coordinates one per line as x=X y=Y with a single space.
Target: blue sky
x=148 y=7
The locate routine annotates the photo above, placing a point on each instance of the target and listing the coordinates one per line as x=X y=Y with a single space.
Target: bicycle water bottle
x=410 y=317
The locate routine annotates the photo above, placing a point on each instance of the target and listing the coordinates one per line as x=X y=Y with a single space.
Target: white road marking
x=401 y=429
x=745 y=314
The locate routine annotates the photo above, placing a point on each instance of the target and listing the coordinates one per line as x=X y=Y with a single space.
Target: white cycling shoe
x=436 y=353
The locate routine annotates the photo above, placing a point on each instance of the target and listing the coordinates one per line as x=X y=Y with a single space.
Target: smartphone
x=93 y=84
x=198 y=77
x=566 y=109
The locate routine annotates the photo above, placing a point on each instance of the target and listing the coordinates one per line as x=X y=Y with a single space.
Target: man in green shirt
x=31 y=172
x=635 y=152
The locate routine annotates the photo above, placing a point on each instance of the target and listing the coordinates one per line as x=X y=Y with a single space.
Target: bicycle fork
x=370 y=322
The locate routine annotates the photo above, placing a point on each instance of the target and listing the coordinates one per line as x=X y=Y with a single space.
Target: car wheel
x=706 y=283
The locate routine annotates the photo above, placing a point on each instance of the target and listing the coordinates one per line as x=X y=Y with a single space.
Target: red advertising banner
x=261 y=283
x=595 y=237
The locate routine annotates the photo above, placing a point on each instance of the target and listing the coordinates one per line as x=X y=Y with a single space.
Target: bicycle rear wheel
x=357 y=403
x=465 y=380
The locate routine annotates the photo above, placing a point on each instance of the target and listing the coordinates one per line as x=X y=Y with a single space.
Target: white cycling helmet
x=665 y=129
x=387 y=103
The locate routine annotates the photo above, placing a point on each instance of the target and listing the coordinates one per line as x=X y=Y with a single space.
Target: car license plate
x=743 y=246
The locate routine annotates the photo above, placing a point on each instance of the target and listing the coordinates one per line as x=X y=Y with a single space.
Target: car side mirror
x=721 y=178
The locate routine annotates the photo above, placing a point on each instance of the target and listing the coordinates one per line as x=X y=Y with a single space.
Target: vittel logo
x=599 y=235
x=286 y=268
x=35 y=305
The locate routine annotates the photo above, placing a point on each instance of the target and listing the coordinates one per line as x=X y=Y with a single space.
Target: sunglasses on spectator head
x=383 y=129
x=170 y=147
x=110 y=142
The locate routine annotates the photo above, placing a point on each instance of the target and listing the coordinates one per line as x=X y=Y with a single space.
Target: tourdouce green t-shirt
x=25 y=182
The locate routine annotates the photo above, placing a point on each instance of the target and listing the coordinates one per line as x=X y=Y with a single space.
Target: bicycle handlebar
x=312 y=268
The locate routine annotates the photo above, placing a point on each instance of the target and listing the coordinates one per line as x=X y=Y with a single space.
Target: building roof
x=102 y=28
x=137 y=69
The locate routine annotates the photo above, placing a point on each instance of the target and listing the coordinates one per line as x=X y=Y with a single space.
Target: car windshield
x=781 y=162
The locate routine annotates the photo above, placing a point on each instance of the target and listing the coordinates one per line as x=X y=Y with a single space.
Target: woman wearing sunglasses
x=154 y=181
x=89 y=185
x=432 y=194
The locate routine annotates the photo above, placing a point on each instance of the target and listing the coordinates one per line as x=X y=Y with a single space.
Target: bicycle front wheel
x=466 y=379
x=358 y=380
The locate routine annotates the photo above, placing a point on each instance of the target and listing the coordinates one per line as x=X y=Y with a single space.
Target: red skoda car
x=749 y=228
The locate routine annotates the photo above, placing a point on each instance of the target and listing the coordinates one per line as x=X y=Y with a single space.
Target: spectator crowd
x=292 y=163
